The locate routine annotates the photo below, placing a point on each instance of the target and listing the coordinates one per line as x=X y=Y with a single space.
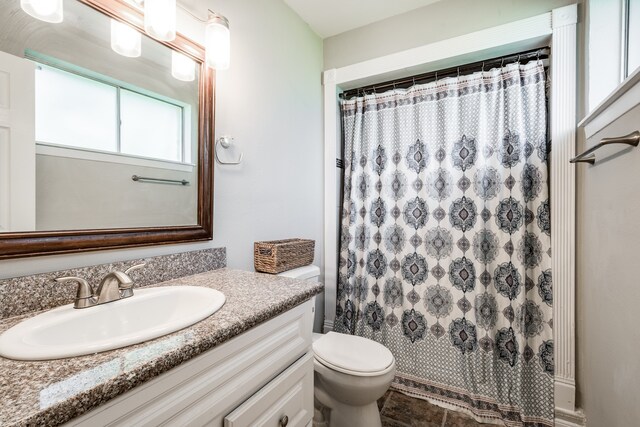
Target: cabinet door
x=17 y=144
x=287 y=401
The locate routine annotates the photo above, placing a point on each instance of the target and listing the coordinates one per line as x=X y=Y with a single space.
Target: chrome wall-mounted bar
x=632 y=139
x=138 y=178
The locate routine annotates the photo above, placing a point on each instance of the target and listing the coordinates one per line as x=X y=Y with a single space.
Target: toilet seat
x=352 y=354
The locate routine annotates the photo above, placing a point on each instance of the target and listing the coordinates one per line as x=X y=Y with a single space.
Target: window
x=90 y=114
x=75 y=111
x=162 y=127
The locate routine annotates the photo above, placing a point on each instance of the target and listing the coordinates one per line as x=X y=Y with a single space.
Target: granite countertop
x=55 y=391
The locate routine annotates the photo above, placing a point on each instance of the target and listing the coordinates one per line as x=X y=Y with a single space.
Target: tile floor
x=400 y=410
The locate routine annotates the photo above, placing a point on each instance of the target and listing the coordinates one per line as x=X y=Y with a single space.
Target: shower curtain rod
x=487 y=64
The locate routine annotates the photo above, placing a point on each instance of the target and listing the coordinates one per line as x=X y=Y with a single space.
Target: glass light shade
x=160 y=19
x=45 y=10
x=125 y=40
x=182 y=67
x=218 y=42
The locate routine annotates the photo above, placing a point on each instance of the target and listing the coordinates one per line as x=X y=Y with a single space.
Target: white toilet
x=351 y=374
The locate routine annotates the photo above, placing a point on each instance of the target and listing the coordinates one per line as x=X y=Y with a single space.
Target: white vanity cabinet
x=263 y=377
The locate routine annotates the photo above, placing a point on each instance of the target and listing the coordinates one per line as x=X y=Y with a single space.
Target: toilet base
x=347 y=416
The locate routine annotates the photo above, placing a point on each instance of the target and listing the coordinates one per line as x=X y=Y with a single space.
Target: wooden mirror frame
x=36 y=243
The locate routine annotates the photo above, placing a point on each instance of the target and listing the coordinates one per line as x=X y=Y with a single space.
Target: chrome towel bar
x=632 y=139
x=159 y=180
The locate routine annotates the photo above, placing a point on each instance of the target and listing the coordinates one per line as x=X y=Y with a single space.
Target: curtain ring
x=458 y=71
x=518 y=60
x=483 y=66
x=414 y=80
x=502 y=62
x=436 y=77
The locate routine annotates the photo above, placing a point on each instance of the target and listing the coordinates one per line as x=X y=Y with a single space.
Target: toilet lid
x=352 y=353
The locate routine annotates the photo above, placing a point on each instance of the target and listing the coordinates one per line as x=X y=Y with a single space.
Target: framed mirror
x=106 y=134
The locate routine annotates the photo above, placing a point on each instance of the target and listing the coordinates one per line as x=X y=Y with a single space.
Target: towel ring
x=225 y=142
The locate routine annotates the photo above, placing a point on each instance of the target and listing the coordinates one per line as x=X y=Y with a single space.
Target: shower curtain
x=445 y=240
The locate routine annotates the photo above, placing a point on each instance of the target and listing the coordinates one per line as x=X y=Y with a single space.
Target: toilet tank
x=311 y=273
x=308 y=272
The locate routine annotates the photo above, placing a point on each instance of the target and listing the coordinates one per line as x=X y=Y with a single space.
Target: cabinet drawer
x=287 y=400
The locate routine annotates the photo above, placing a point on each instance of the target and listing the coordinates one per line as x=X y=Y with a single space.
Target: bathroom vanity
x=247 y=364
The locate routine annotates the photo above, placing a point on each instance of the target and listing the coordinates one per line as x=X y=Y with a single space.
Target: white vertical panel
x=604 y=48
x=17 y=144
x=4 y=177
x=563 y=201
x=5 y=80
x=5 y=160
x=331 y=141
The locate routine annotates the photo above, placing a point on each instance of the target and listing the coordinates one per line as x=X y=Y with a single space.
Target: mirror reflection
x=110 y=136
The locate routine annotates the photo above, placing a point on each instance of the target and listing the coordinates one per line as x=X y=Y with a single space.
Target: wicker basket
x=276 y=256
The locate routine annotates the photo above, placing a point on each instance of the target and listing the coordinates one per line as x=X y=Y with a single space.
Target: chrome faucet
x=114 y=286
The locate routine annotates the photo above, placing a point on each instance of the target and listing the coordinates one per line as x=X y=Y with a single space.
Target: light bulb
x=218 y=42
x=182 y=67
x=125 y=40
x=160 y=19
x=45 y=10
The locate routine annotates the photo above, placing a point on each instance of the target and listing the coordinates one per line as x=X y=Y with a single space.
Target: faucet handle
x=126 y=289
x=84 y=293
x=134 y=268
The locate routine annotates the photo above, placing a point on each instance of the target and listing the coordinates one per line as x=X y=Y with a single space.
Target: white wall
x=86 y=194
x=270 y=101
x=438 y=21
x=604 y=49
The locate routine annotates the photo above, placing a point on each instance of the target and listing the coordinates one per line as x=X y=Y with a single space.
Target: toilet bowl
x=351 y=374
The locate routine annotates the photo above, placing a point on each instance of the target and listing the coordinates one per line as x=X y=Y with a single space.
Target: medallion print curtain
x=445 y=240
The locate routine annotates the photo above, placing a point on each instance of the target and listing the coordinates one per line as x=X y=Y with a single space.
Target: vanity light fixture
x=182 y=67
x=159 y=23
x=160 y=19
x=125 y=40
x=217 y=42
x=45 y=10
x=217 y=39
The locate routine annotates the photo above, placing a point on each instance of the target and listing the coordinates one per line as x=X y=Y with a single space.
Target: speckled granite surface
x=27 y=294
x=53 y=392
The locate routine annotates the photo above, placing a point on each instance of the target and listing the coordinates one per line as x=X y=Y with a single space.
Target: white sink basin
x=149 y=313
